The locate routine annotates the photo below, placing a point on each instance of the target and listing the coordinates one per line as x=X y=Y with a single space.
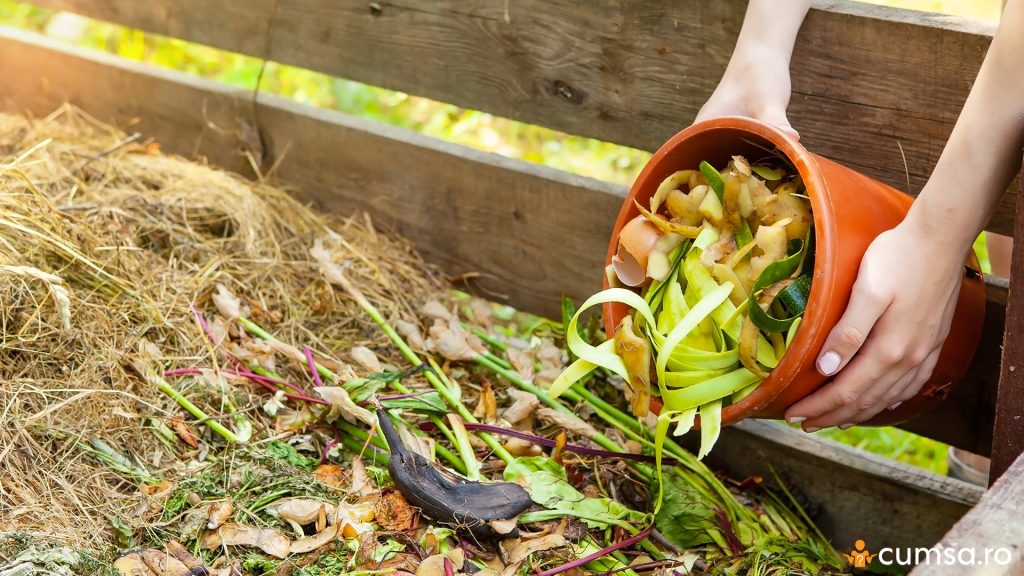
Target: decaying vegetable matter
x=448 y=498
x=193 y=364
x=717 y=270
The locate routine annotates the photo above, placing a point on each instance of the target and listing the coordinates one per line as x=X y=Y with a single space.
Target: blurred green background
x=480 y=130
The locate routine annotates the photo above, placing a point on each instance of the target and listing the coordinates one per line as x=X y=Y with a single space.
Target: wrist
x=941 y=224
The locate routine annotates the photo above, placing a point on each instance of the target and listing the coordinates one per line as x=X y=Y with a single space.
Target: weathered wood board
x=994 y=524
x=866 y=79
x=1008 y=435
x=853 y=494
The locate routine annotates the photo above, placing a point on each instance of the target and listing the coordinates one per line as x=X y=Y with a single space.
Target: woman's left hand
x=888 y=341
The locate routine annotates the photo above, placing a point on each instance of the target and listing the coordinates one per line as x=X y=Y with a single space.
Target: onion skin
x=635 y=352
x=636 y=242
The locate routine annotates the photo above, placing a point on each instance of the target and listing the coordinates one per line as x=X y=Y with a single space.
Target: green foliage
x=685 y=517
x=332 y=564
x=290 y=455
x=896 y=444
x=259 y=565
x=122 y=532
x=549 y=487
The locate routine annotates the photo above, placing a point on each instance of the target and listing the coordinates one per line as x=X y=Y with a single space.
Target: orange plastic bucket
x=850 y=210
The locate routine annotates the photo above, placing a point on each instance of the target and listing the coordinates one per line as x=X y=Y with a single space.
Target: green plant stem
x=599 y=439
x=441 y=425
x=433 y=376
x=196 y=411
x=361 y=435
x=267 y=500
x=356 y=446
x=441 y=450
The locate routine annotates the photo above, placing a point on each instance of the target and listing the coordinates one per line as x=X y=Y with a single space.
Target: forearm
x=769 y=30
x=984 y=151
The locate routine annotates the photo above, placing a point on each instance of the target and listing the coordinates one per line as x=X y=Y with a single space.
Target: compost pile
x=203 y=376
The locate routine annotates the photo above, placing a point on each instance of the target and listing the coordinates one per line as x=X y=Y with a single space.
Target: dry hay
x=104 y=243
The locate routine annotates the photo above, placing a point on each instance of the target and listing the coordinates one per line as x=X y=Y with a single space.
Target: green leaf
x=743 y=235
x=122 y=532
x=387 y=551
x=685 y=517
x=714 y=178
x=429 y=402
x=282 y=451
x=548 y=486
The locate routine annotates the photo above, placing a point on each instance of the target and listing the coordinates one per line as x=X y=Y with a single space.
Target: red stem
x=264 y=381
x=312 y=367
x=574 y=448
x=602 y=552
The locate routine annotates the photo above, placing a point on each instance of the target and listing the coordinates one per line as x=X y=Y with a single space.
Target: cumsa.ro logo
x=861 y=557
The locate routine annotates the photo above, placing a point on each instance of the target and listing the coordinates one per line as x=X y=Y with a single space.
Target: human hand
x=755 y=85
x=888 y=341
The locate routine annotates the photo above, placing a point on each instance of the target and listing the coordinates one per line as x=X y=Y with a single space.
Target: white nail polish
x=828 y=363
x=795 y=419
x=896 y=405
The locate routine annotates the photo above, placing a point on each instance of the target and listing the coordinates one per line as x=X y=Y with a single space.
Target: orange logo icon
x=859 y=557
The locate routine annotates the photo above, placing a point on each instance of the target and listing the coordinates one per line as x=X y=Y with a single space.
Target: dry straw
x=104 y=244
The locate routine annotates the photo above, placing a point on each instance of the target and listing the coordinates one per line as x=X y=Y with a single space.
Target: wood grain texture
x=852 y=494
x=531 y=232
x=965 y=419
x=1008 y=436
x=994 y=523
x=866 y=79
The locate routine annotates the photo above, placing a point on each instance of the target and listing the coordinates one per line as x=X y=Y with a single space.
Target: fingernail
x=828 y=363
x=845 y=426
x=896 y=405
x=810 y=429
x=795 y=419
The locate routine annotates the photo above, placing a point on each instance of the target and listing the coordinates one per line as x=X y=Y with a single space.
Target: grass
x=593 y=158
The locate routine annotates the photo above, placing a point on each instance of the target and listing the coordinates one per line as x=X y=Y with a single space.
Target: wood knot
x=568 y=92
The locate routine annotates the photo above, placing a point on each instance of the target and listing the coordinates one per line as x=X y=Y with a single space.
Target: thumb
x=849 y=334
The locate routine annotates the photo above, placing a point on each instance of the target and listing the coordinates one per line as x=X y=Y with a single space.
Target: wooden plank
x=853 y=494
x=1008 y=434
x=866 y=79
x=993 y=524
x=965 y=419
x=452 y=201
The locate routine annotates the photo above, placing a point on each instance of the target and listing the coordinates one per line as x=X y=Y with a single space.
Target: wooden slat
x=994 y=523
x=459 y=206
x=852 y=494
x=965 y=419
x=865 y=78
x=1008 y=436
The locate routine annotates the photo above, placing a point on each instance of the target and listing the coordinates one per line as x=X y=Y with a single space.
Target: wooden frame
x=450 y=200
